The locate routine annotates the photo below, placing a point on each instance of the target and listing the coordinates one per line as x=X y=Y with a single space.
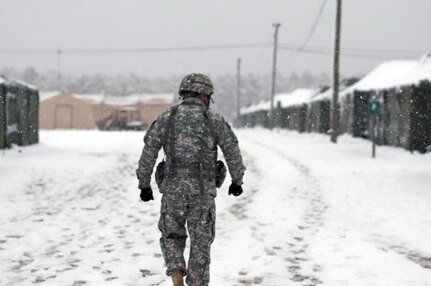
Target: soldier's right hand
x=235 y=189
x=146 y=194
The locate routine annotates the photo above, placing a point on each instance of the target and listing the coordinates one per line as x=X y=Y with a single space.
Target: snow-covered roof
x=297 y=97
x=164 y=98
x=394 y=74
x=256 y=106
x=326 y=95
x=17 y=81
x=94 y=99
x=90 y=98
x=44 y=95
x=20 y=82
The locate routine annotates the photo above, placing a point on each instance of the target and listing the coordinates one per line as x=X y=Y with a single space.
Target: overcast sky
x=368 y=25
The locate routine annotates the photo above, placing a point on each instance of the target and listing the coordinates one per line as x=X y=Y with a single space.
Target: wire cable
x=363 y=53
x=313 y=28
x=137 y=50
x=320 y=50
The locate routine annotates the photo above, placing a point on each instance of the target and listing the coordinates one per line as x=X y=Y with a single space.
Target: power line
x=368 y=50
x=137 y=50
x=363 y=53
x=313 y=27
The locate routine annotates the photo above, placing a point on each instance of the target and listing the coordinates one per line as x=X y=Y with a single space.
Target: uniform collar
x=194 y=100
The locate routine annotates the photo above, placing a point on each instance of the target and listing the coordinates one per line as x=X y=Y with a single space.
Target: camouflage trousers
x=198 y=213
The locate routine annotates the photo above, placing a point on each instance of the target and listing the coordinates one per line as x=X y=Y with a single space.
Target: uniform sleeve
x=228 y=143
x=153 y=140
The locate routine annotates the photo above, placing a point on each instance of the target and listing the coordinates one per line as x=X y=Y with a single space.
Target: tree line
x=253 y=86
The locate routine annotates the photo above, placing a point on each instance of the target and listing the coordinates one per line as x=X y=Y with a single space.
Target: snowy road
x=311 y=214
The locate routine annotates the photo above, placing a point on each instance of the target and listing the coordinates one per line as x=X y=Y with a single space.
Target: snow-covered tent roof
x=297 y=97
x=16 y=81
x=326 y=95
x=256 y=106
x=133 y=99
x=163 y=98
x=89 y=98
x=394 y=74
x=20 y=82
x=44 y=95
x=94 y=99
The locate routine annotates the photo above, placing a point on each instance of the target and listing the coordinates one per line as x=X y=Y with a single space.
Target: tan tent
x=64 y=111
x=77 y=111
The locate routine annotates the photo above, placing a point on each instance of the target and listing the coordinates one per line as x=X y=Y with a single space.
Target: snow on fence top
x=394 y=74
x=297 y=97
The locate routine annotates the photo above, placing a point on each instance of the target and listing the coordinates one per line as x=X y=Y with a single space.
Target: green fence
x=19 y=112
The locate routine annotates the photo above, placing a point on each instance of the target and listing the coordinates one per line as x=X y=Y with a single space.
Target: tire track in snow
x=414 y=256
x=384 y=244
x=298 y=258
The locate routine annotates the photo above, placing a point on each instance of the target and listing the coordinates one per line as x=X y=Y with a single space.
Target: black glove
x=235 y=189
x=146 y=194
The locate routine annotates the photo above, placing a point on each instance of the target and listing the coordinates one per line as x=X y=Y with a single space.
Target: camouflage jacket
x=189 y=143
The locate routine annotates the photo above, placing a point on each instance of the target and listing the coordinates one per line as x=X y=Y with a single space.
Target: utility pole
x=335 y=107
x=60 y=84
x=238 y=87
x=274 y=74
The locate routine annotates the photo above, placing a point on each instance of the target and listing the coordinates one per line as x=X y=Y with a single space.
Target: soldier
x=189 y=134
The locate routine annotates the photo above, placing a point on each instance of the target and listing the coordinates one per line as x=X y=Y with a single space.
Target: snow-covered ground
x=313 y=213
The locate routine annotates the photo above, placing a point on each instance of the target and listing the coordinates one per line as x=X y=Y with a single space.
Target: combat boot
x=177 y=278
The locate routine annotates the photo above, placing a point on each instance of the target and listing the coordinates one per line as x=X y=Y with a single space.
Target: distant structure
x=19 y=104
x=60 y=110
x=403 y=89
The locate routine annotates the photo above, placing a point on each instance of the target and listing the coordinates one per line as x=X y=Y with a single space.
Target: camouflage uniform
x=189 y=186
